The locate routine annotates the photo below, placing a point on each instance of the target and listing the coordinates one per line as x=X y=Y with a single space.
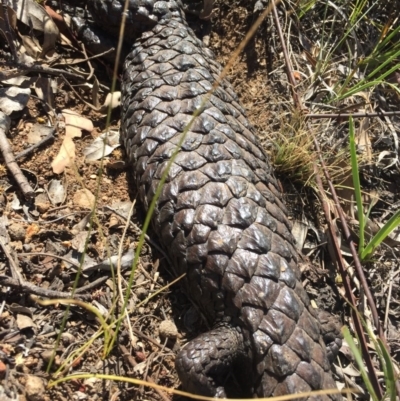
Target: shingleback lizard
x=220 y=215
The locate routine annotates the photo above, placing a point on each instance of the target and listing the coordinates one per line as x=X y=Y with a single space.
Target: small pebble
x=34 y=388
x=141 y=293
x=167 y=329
x=47 y=355
x=17 y=232
x=27 y=247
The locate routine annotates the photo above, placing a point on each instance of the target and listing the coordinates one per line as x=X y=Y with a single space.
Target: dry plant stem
x=347 y=286
x=358 y=326
x=389 y=296
x=26 y=152
x=360 y=273
x=292 y=82
x=13 y=266
x=131 y=360
x=354 y=115
x=350 y=242
x=78 y=96
x=89 y=64
x=10 y=162
x=119 y=273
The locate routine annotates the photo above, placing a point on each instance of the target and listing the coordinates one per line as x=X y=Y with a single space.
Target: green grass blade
x=357 y=356
x=390 y=376
x=380 y=236
x=363 y=85
x=356 y=183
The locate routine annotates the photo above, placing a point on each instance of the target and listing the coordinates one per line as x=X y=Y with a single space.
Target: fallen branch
x=9 y=159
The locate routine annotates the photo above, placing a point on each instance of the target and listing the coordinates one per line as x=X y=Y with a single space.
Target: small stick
x=13 y=266
x=40 y=68
x=9 y=159
x=354 y=115
x=30 y=288
x=26 y=152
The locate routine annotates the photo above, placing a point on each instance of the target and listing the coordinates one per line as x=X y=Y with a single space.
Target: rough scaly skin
x=220 y=216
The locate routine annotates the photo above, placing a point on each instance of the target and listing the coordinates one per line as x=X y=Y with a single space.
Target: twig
x=77 y=265
x=291 y=79
x=9 y=159
x=131 y=360
x=80 y=97
x=354 y=115
x=42 y=292
x=26 y=152
x=92 y=285
x=91 y=69
x=40 y=68
x=13 y=266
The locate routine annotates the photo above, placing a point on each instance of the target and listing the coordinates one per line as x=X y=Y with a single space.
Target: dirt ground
x=47 y=238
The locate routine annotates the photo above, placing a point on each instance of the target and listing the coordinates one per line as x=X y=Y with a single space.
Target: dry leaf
x=65 y=156
x=37 y=133
x=362 y=139
x=78 y=242
x=31 y=46
x=24 y=322
x=51 y=35
x=45 y=88
x=56 y=192
x=103 y=145
x=35 y=16
x=74 y=124
x=13 y=99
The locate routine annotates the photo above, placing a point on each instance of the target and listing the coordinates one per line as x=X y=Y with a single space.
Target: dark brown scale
x=220 y=215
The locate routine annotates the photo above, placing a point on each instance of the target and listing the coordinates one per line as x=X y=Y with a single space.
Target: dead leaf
x=31 y=46
x=103 y=145
x=35 y=16
x=65 y=156
x=299 y=231
x=16 y=81
x=24 y=322
x=45 y=89
x=51 y=34
x=56 y=192
x=74 y=124
x=13 y=99
x=79 y=241
x=37 y=133
x=363 y=141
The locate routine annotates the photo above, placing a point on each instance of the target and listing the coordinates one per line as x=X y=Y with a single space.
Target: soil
x=41 y=237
